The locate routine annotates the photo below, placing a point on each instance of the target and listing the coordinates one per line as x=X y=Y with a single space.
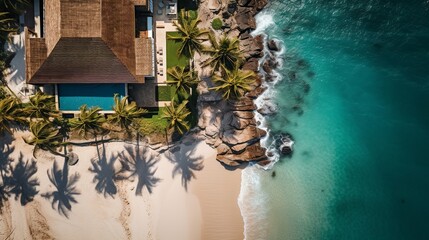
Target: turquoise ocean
x=354 y=94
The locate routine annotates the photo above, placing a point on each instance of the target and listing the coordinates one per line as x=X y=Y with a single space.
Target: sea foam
x=253 y=199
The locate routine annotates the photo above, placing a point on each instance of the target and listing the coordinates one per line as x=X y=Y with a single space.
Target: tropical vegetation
x=217 y=24
x=224 y=53
x=176 y=116
x=234 y=84
x=45 y=136
x=41 y=106
x=10 y=114
x=183 y=79
x=89 y=122
x=190 y=36
x=125 y=113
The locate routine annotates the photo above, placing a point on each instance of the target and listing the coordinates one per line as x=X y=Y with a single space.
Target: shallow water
x=355 y=96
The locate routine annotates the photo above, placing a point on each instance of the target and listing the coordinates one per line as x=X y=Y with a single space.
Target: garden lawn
x=172 y=58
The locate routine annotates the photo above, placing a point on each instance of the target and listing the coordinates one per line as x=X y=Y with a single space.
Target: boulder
x=251 y=64
x=244 y=3
x=244 y=114
x=212 y=131
x=249 y=134
x=273 y=45
x=239 y=148
x=285 y=145
x=223 y=149
x=257 y=47
x=260 y=4
x=255 y=93
x=266 y=66
x=268 y=108
x=244 y=19
x=264 y=163
x=245 y=35
x=244 y=104
x=227 y=161
x=240 y=124
x=253 y=153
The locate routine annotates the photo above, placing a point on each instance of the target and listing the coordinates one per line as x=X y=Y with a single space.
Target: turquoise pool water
x=360 y=169
x=72 y=96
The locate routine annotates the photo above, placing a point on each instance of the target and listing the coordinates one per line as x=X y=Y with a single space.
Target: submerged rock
x=273 y=45
x=286 y=145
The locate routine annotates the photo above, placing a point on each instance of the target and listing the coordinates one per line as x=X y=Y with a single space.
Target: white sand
x=207 y=210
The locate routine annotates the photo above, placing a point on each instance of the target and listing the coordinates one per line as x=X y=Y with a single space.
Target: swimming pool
x=72 y=96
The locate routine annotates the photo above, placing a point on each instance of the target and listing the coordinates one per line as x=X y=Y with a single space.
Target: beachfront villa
x=86 y=51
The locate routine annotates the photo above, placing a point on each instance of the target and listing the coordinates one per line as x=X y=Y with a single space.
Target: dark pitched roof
x=83 y=60
x=88 y=41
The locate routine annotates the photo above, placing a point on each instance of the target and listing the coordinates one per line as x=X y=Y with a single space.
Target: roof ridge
x=58 y=49
x=116 y=55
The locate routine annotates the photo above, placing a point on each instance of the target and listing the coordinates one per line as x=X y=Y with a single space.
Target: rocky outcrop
x=230 y=126
x=233 y=132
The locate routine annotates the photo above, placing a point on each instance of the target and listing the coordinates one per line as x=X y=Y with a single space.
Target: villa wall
x=35 y=52
x=52 y=23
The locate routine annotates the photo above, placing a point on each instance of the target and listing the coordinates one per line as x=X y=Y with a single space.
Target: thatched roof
x=88 y=41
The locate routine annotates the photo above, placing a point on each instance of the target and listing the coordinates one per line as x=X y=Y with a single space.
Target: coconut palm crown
x=90 y=121
x=125 y=113
x=10 y=113
x=182 y=78
x=234 y=84
x=176 y=116
x=45 y=137
x=225 y=53
x=190 y=36
x=41 y=106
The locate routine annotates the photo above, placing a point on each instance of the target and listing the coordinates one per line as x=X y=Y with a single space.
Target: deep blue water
x=355 y=97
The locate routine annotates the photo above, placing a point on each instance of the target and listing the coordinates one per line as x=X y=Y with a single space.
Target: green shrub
x=153 y=125
x=217 y=24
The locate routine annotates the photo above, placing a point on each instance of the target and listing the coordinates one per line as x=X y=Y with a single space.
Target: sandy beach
x=124 y=191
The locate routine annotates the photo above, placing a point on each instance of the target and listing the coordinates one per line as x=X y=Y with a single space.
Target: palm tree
x=90 y=121
x=225 y=54
x=234 y=84
x=190 y=36
x=183 y=79
x=10 y=113
x=125 y=113
x=45 y=137
x=176 y=117
x=7 y=23
x=41 y=106
x=16 y=6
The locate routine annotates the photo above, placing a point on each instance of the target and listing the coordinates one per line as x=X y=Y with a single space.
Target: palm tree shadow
x=65 y=188
x=21 y=181
x=105 y=173
x=185 y=164
x=140 y=163
x=5 y=160
x=5 y=150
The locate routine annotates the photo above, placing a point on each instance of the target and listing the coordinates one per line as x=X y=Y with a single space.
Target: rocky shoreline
x=231 y=127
